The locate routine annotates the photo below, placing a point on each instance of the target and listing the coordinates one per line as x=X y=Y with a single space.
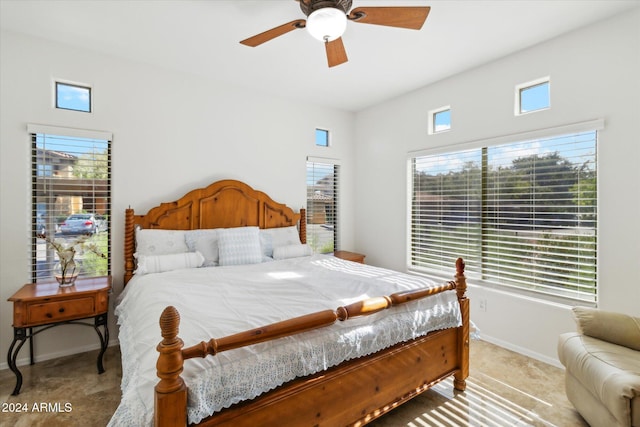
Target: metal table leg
x=101 y=320
x=19 y=334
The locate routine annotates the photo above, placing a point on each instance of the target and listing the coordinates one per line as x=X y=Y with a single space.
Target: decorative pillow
x=291 y=251
x=204 y=241
x=160 y=263
x=616 y=328
x=239 y=246
x=160 y=242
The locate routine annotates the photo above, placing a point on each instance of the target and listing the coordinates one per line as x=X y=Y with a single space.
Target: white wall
x=172 y=133
x=594 y=74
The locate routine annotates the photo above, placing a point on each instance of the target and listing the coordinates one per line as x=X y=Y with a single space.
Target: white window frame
x=432 y=120
x=523 y=86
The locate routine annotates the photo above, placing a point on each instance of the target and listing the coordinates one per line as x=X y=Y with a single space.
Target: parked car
x=79 y=224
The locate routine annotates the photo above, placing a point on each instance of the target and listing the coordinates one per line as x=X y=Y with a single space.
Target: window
x=533 y=96
x=440 y=120
x=523 y=214
x=73 y=97
x=322 y=137
x=323 y=178
x=71 y=197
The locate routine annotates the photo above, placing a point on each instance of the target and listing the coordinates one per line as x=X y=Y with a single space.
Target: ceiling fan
x=327 y=21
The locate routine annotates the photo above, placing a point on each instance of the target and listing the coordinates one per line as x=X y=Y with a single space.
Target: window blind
x=71 y=201
x=323 y=178
x=446 y=210
x=523 y=214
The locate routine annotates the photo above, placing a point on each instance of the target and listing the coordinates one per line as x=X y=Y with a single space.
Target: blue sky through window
x=322 y=138
x=442 y=121
x=73 y=97
x=534 y=98
x=578 y=148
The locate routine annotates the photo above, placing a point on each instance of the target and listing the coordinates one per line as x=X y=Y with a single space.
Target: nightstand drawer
x=350 y=256
x=56 y=311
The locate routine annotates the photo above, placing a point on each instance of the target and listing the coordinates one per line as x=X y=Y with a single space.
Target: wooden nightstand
x=350 y=256
x=45 y=305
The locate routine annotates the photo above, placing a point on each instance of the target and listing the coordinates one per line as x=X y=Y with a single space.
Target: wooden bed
x=352 y=393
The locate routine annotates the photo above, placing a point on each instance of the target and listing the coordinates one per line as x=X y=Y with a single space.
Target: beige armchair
x=602 y=362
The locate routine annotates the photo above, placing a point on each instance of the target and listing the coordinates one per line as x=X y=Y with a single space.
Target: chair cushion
x=613 y=327
x=610 y=372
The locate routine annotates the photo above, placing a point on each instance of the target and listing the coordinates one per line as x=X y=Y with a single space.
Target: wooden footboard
x=353 y=393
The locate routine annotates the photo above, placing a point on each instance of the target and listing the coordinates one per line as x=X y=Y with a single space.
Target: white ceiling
x=202 y=37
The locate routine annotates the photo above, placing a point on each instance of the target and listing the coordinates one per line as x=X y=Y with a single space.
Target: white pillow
x=239 y=246
x=291 y=251
x=282 y=236
x=266 y=243
x=159 y=263
x=160 y=242
x=204 y=241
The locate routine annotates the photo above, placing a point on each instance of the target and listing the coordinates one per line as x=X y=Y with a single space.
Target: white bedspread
x=220 y=301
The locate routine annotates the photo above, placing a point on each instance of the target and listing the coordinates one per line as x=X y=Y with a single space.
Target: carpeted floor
x=504 y=389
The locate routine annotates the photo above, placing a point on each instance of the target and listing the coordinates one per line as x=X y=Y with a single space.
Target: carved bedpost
x=460 y=377
x=461 y=280
x=170 y=392
x=129 y=245
x=303 y=225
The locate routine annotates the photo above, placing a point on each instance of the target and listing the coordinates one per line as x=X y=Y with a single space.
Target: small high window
x=533 y=96
x=322 y=137
x=440 y=120
x=73 y=97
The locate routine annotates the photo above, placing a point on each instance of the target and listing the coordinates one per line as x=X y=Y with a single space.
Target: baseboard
x=24 y=360
x=521 y=350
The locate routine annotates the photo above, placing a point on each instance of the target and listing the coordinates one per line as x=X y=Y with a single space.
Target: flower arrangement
x=66 y=273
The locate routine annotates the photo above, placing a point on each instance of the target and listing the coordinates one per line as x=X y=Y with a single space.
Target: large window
x=322 y=205
x=71 y=199
x=523 y=214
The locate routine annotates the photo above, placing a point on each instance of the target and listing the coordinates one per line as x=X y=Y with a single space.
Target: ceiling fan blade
x=336 y=54
x=402 y=17
x=258 y=39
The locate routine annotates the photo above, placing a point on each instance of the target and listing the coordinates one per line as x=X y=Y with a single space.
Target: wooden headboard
x=223 y=204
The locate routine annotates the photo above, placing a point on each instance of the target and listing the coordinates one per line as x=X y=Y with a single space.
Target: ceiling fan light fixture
x=327 y=24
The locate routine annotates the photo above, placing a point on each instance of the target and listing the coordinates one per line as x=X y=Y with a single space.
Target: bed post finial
x=170 y=392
